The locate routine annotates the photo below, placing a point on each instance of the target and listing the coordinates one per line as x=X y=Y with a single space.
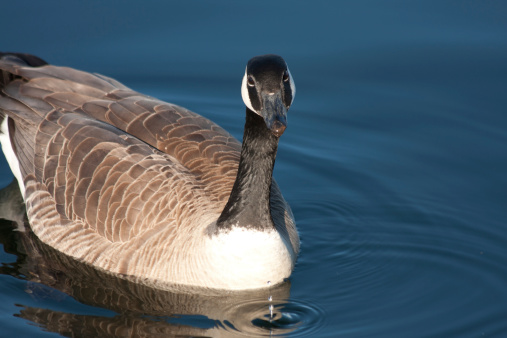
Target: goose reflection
x=138 y=310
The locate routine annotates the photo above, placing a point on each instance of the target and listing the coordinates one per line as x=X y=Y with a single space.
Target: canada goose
x=147 y=189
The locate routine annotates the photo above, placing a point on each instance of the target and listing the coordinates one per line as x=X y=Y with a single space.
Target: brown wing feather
x=194 y=141
x=103 y=180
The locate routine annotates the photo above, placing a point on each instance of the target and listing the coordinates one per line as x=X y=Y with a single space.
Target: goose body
x=147 y=189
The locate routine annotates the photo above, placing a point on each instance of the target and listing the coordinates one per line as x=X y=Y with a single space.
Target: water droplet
x=270 y=298
x=252 y=319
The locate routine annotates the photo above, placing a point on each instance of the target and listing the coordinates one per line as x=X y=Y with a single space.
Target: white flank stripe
x=12 y=159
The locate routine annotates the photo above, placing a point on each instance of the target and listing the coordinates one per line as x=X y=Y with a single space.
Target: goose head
x=268 y=90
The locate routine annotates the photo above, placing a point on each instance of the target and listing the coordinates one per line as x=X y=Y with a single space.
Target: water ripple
x=437 y=255
x=271 y=318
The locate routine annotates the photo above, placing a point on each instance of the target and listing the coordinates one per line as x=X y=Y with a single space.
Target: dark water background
x=394 y=162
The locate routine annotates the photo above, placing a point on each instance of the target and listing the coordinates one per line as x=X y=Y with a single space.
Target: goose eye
x=250 y=81
x=285 y=76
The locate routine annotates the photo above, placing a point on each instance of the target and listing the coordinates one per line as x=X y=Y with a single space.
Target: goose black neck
x=248 y=204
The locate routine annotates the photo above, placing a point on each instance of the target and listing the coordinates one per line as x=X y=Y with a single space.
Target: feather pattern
x=126 y=182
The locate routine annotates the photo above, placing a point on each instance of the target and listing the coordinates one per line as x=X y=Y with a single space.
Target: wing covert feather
x=194 y=141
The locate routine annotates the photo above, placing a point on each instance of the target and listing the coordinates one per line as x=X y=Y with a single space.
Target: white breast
x=247 y=259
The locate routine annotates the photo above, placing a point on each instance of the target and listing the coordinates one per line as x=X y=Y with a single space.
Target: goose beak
x=274 y=113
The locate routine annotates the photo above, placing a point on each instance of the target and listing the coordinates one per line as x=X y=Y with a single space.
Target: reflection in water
x=140 y=310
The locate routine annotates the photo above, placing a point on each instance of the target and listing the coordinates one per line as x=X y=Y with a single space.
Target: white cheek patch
x=244 y=93
x=292 y=85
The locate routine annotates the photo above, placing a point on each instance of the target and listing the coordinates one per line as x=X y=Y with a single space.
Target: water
x=394 y=163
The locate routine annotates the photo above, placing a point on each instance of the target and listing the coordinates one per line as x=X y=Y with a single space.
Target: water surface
x=394 y=163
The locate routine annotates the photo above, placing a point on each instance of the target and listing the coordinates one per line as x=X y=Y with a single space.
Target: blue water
x=394 y=162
